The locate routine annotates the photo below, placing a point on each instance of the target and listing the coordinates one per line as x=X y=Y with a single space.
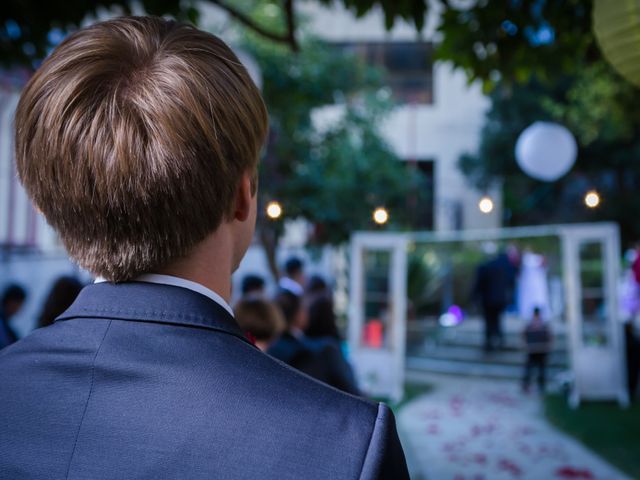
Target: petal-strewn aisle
x=469 y=429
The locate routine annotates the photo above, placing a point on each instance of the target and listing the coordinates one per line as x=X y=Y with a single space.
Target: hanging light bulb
x=380 y=215
x=592 y=199
x=486 y=204
x=274 y=210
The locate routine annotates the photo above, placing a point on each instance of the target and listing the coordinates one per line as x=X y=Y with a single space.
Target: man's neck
x=210 y=264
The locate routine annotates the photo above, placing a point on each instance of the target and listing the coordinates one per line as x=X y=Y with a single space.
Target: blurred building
x=439 y=116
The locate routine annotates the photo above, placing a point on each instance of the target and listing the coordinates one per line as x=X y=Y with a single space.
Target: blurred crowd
x=297 y=325
x=60 y=297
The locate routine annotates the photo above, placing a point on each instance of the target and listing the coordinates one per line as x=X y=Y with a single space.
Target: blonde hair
x=132 y=138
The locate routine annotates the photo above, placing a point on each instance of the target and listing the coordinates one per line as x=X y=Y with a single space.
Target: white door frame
x=571 y=237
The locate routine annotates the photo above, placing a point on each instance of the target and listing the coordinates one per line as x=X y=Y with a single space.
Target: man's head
x=261 y=318
x=138 y=138
x=294 y=268
x=292 y=308
x=13 y=298
x=252 y=285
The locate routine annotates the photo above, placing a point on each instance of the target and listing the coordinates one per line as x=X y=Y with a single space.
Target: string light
x=486 y=205
x=592 y=199
x=380 y=216
x=274 y=210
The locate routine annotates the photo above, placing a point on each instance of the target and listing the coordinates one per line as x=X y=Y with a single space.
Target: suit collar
x=150 y=302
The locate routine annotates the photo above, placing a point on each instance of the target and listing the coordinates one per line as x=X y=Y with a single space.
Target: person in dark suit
x=494 y=286
x=138 y=138
x=315 y=357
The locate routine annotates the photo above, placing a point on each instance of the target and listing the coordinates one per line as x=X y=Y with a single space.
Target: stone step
x=477 y=355
x=515 y=347
x=417 y=366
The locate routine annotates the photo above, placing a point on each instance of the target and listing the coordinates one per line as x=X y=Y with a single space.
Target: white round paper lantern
x=546 y=151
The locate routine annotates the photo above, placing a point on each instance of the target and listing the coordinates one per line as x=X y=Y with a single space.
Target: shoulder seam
x=379 y=414
x=86 y=405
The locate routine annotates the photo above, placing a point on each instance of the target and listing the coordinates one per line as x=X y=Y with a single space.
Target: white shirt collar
x=180 y=282
x=294 y=287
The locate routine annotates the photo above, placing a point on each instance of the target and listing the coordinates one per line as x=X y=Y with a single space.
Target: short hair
x=259 y=317
x=537 y=311
x=132 y=138
x=13 y=293
x=317 y=284
x=251 y=283
x=289 y=304
x=322 y=319
x=293 y=266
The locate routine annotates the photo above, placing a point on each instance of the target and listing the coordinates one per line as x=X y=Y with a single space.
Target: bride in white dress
x=533 y=287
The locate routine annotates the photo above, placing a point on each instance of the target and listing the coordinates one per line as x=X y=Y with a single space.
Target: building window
x=408 y=67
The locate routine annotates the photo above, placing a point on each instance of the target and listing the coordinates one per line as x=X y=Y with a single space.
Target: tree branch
x=291 y=24
x=288 y=38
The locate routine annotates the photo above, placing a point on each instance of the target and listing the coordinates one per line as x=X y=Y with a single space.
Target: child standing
x=537 y=337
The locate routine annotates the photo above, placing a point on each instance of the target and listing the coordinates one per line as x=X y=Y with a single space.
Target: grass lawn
x=411 y=391
x=612 y=432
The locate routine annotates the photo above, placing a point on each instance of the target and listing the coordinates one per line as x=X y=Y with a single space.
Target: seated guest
x=261 y=319
x=319 y=360
x=12 y=301
x=252 y=286
x=139 y=140
x=63 y=292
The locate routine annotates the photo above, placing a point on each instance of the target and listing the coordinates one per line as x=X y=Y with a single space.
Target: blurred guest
x=261 y=319
x=494 y=287
x=62 y=294
x=635 y=266
x=321 y=324
x=537 y=337
x=321 y=316
x=293 y=280
x=12 y=301
x=629 y=304
x=319 y=360
x=632 y=351
x=533 y=286
x=252 y=286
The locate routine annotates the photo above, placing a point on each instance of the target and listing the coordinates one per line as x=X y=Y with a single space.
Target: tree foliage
x=540 y=61
x=335 y=174
x=30 y=28
x=603 y=110
x=512 y=41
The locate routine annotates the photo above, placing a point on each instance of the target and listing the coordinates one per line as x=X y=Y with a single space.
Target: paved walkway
x=470 y=429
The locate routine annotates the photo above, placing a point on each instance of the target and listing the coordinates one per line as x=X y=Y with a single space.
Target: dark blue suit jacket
x=146 y=381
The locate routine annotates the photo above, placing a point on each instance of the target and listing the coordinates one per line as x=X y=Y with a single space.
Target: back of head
x=537 y=313
x=252 y=284
x=132 y=138
x=317 y=285
x=293 y=267
x=13 y=294
x=290 y=305
x=322 y=318
x=260 y=318
x=62 y=294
